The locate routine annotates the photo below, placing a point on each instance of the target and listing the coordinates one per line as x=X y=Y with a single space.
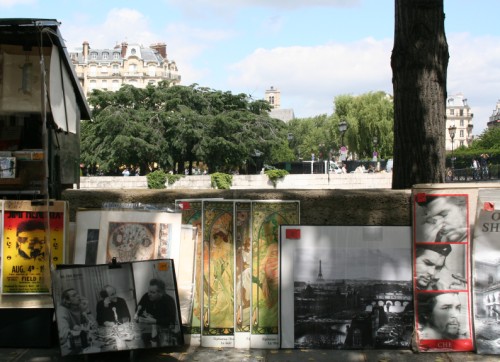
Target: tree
x=419 y=63
x=368 y=116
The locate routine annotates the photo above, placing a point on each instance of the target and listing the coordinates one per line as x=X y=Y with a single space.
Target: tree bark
x=419 y=64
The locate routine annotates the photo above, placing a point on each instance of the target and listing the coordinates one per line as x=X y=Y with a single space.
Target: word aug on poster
x=30 y=244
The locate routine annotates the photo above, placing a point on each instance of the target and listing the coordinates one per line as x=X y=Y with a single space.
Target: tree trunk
x=419 y=65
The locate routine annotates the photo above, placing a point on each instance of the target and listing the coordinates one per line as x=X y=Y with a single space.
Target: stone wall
x=379 y=180
x=317 y=207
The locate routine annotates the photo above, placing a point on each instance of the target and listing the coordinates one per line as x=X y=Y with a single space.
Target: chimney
x=124 y=49
x=85 y=51
x=161 y=48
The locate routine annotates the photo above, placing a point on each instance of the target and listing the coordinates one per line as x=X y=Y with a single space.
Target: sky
x=312 y=51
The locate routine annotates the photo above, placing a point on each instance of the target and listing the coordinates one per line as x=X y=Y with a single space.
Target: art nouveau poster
x=346 y=287
x=132 y=235
x=184 y=270
x=87 y=236
x=443 y=218
x=34 y=235
x=218 y=274
x=267 y=217
x=103 y=308
x=486 y=263
x=243 y=273
x=192 y=215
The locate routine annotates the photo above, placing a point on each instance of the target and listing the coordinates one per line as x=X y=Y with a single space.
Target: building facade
x=273 y=97
x=109 y=69
x=459 y=115
x=494 y=120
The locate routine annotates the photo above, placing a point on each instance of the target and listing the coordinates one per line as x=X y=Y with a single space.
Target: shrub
x=275 y=175
x=219 y=180
x=156 y=179
x=173 y=178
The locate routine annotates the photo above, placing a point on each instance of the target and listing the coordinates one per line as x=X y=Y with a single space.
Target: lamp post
x=452 y=130
x=470 y=126
x=342 y=129
x=375 y=141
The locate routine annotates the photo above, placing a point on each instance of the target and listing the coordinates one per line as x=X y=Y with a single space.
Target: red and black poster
x=33 y=238
x=441 y=269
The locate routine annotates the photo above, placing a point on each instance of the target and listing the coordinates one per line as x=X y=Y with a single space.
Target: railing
x=470 y=174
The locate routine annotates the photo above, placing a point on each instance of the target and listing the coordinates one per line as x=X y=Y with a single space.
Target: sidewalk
x=202 y=354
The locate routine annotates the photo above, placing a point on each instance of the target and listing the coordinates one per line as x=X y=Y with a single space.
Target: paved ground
x=201 y=354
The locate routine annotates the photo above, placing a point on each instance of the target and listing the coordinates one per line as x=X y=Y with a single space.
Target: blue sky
x=310 y=50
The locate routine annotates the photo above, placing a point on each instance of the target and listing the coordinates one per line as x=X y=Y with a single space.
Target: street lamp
x=375 y=141
x=342 y=129
x=452 y=130
x=470 y=126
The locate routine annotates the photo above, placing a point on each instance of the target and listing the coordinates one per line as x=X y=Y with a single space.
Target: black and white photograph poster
x=486 y=264
x=105 y=308
x=441 y=270
x=346 y=287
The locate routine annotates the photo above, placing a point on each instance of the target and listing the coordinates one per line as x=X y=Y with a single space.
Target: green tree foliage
x=368 y=115
x=488 y=141
x=178 y=125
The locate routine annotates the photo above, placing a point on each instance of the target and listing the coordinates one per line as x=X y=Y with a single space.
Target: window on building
x=104 y=69
x=116 y=55
x=461 y=123
x=116 y=69
x=105 y=55
x=133 y=51
x=461 y=133
x=271 y=99
x=104 y=84
x=115 y=85
x=132 y=68
x=93 y=70
x=92 y=85
x=461 y=143
x=93 y=55
x=452 y=111
x=461 y=112
x=152 y=70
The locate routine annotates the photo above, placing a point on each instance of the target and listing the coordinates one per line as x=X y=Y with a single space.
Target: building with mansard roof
x=495 y=117
x=459 y=115
x=134 y=64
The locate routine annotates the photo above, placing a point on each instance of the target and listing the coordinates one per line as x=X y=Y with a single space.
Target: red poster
x=30 y=245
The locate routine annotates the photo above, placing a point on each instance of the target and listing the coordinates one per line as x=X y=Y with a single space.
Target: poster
x=243 y=273
x=442 y=222
x=191 y=211
x=87 y=236
x=127 y=306
x=184 y=270
x=31 y=242
x=132 y=235
x=346 y=287
x=218 y=274
x=267 y=217
x=486 y=263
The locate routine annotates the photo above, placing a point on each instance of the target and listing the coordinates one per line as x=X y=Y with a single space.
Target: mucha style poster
x=442 y=221
x=346 y=287
x=218 y=274
x=34 y=236
x=132 y=235
x=243 y=272
x=267 y=217
x=104 y=308
x=192 y=215
x=486 y=263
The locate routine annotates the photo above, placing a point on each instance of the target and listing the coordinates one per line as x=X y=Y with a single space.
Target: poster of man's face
x=441 y=218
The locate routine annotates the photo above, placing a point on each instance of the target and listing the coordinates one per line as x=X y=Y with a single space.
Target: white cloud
x=474 y=70
x=12 y=3
x=313 y=76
